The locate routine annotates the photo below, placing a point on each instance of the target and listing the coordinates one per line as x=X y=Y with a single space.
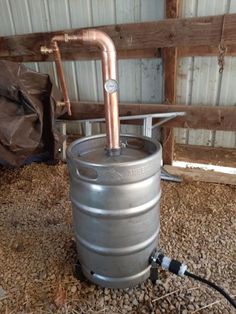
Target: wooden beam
x=206 y=155
x=186 y=32
x=85 y=55
x=149 y=53
x=197 y=117
x=170 y=71
x=205 y=51
x=190 y=174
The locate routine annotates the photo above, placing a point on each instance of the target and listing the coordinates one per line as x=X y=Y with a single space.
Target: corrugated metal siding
x=200 y=83
x=140 y=80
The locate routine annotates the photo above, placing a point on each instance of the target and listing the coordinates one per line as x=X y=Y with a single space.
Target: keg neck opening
x=113 y=152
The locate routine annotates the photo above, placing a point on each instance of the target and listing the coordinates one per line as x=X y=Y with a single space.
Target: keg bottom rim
x=117 y=283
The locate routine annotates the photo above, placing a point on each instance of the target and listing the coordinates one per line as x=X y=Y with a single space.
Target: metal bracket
x=88 y=128
x=165 y=175
x=62 y=129
x=147 y=126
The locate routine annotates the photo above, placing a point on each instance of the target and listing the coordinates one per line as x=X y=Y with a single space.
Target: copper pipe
x=57 y=56
x=60 y=73
x=109 y=73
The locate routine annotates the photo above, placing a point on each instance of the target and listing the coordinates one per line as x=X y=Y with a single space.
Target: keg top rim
x=147 y=156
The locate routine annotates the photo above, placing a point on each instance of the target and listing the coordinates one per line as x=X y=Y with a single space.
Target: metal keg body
x=115 y=209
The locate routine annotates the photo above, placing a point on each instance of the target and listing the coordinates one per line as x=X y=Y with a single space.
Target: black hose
x=180 y=269
x=212 y=285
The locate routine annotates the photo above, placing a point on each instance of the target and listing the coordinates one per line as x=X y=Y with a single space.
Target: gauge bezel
x=111 y=89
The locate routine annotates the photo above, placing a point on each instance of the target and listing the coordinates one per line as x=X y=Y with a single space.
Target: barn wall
x=200 y=83
x=140 y=80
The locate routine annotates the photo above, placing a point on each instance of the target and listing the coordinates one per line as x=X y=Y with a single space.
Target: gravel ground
x=37 y=251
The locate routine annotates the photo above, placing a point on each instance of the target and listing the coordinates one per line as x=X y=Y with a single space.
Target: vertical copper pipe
x=60 y=73
x=109 y=74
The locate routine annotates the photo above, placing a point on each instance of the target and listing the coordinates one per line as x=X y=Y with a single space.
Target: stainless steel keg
x=114 y=183
x=115 y=202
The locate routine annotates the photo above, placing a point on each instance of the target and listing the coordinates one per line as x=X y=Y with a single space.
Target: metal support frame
x=88 y=128
x=147 y=126
x=62 y=129
x=147 y=121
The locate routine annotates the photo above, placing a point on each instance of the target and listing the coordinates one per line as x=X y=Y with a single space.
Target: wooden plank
x=85 y=55
x=190 y=174
x=124 y=54
x=205 y=51
x=170 y=71
x=197 y=117
x=185 y=32
x=206 y=155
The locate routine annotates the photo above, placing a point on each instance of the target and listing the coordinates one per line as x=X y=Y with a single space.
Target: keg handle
x=109 y=74
x=134 y=143
x=87 y=173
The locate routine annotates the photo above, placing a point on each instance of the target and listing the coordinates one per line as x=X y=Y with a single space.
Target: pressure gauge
x=111 y=86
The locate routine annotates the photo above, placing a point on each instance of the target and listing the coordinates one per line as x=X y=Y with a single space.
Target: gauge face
x=111 y=86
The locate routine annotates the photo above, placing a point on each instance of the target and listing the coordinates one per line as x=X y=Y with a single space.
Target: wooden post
x=170 y=69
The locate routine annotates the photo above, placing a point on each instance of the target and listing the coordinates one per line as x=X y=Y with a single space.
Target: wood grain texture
x=122 y=54
x=170 y=59
x=197 y=117
x=206 y=155
x=190 y=174
x=79 y=54
x=185 y=32
x=205 y=51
